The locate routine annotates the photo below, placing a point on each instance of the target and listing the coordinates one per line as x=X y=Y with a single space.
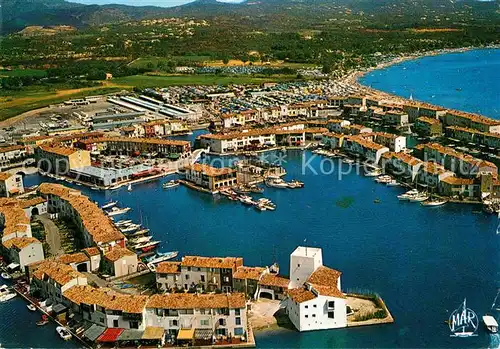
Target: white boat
x=419 y=198
x=146 y=245
x=260 y=207
x=434 y=203
x=170 y=184
x=109 y=205
x=141 y=240
x=31 y=307
x=6 y=294
x=129 y=188
x=94 y=188
x=163 y=257
x=6 y=276
x=276 y=183
x=246 y=200
x=408 y=195
x=115 y=211
x=130 y=228
x=348 y=161
x=63 y=333
x=490 y=323
x=295 y=184
x=373 y=173
x=383 y=179
x=393 y=183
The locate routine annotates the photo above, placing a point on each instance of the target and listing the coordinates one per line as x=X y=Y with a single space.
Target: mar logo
x=463 y=322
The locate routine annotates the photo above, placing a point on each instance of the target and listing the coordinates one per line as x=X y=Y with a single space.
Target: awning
x=173 y=156
x=14 y=191
x=110 y=335
x=13 y=266
x=185 y=334
x=93 y=332
x=203 y=333
x=130 y=335
x=153 y=333
x=59 y=308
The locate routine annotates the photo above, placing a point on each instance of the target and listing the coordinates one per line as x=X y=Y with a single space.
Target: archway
x=266 y=295
x=82 y=267
x=34 y=211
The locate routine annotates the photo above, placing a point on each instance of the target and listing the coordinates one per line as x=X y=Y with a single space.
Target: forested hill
x=17 y=14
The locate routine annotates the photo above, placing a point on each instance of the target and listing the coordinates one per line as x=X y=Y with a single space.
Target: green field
x=142 y=63
x=23 y=72
x=143 y=81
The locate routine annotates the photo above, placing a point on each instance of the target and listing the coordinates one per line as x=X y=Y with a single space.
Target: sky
x=162 y=3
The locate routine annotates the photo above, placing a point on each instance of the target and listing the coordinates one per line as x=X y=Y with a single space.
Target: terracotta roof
x=324 y=280
x=300 y=295
x=31 y=202
x=274 y=280
x=35 y=139
x=458 y=181
x=79 y=257
x=212 y=262
x=427 y=120
x=54 y=149
x=11 y=148
x=474 y=117
x=95 y=221
x=210 y=171
x=433 y=168
x=15 y=220
x=20 y=243
x=197 y=301
x=168 y=268
x=438 y=148
x=59 y=272
x=252 y=273
x=5 y=175
x=106 y=298
x=118 y=252
x=403 y=157
x=155 y=141
x=92 y=251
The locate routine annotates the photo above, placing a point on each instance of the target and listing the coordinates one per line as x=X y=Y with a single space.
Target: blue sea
x=468 y=81
x=422 y=261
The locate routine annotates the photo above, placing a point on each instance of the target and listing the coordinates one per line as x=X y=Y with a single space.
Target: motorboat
x=141 y=240
x=246 y=200
x=295 y=184
x=490 y=323
x=31 y=307
x=6 y=294
x=434 y=202
x=139 y=233
x=260 y=207
x=276 y=183
x=115 y=211
x=6 y=276
x=170 y=184
x=130 y=228
x=419 y=198
x=123 y=222
x=94 y=188
x=129 y=188
x=63 y=333
x=161 y=257
x=268 y=204
x=347 y=161
x=409 y=194
x=373 y=173
x=383 y=179
x=393 y=183
x=43 y=321
x=146 y=245
x=109 y=205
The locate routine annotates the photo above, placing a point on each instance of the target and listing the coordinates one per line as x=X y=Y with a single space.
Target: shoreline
x=354 y=77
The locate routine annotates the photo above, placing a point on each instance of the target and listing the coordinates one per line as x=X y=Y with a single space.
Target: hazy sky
x=163 y=3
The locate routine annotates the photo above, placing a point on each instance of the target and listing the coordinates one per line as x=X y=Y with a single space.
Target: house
x=314 y=298
x=120 y=262
x=168 y=276
x=10 y=184
x=394 y=142
x=402 y=165
x=337 y=125
x=246 y=280
x=11 y=154
x=23 y=251
x=364 y=148
x=465 y=187
x=60 y=160
x=333 y=140
x=272 y=286
x=470 y=120
x=84 y=261
x=395 y=118
x=428 y=127
x=431 y=173
x=211 y=178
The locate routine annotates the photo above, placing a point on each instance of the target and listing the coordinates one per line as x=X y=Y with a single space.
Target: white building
x=315 y=300
x=10 y=184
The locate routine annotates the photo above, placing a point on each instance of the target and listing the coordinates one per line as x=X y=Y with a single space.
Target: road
x=52 y=235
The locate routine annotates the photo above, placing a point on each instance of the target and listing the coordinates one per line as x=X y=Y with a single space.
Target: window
x=226 y=278
x=189 y=268
x=202 y=278
x=222 y=322
x=314 y=315
x=306 y=306
x=298 y=265
x=199 y=269
x=134 y=325
x=238 y=331
x=238 y=321
x=173 y=322
x=115 y=323
x=187 y=277
x=330 y=315
x=237 y=312
x=331 y=304
x=204 y=322
x=306 y=316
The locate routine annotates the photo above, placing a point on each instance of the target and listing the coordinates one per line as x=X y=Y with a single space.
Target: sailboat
x=129 y=188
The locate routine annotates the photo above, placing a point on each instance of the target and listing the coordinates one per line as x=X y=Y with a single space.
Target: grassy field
x=143 y=62
x=23 y=72
x=29 y=99
x=143 y=81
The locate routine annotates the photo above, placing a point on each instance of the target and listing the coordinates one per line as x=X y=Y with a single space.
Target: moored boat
x=295 y=184
x=409 y=194
x=109 y=205
x=6 y=294
x=63 y=333
x=161 y=257
x=170 y=184
x=434 y=202
x=383 y=179
x=490 y=323
x=246 y=200
x=276 y=183
x=117 y=211
x=419 y=198
x=6 y=276
x=393 y=183
x=31 y=307
x=43 y=321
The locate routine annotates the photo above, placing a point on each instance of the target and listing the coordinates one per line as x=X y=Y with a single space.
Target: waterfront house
x=355 y=129
x=464 y=187
x=199 y=318
x=60 y=160
x=32 y=142
x=13 y=219
x=94 y=226
x=246 y=280
x=119 y=262
x=106 y=307
x=395 y=118
x=364 y=148
x=402 y=165
x=211 y=178
x=34 y=206
x=51 y=279
x=272 y=286
x=314 y=298
x=470 y=120
x=238 y=141
x=11 y=154
x=86 y=261
x=428 y=127
x=208 y=273
x=394 y=142
x=337 y=125
x=431 y=173
x=463 y=165
x=333 y=140
x=469 y=135
x=416 y=109
x=168 y=275
x=23 y=251
x=10 y=184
